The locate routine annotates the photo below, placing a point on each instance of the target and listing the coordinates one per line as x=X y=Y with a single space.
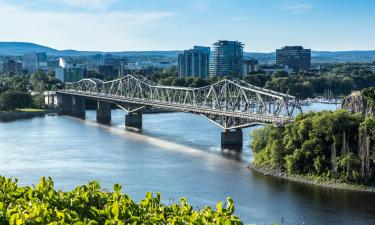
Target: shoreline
x=19 y=115
x=267 y=171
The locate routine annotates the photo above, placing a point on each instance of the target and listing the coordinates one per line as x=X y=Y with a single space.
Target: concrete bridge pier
x=66 y=104
x=103 y=112
x=232 y=138
x=79 y=106
x=133 y=120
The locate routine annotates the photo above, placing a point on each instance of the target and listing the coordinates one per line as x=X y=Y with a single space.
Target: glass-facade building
x=226 y=59
x=194 y=62
x=295 y=57
x=66 y=72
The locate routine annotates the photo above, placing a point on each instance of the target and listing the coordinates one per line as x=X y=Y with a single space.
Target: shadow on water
x=332 y=201
x=232 y=152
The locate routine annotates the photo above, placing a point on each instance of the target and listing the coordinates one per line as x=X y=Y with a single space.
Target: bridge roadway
x=255 y=118
x=230 y=105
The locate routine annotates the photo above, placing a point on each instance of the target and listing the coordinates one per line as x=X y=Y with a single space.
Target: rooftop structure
x=226 y=59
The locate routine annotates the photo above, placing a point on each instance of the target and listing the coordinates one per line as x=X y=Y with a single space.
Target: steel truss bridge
x=231 y=104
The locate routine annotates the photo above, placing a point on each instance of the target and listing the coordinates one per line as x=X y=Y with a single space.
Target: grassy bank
x=24 y=114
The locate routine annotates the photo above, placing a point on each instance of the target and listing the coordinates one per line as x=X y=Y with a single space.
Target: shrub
x=88 y=205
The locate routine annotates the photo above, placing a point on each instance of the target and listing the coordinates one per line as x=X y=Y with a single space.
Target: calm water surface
x=176 y=154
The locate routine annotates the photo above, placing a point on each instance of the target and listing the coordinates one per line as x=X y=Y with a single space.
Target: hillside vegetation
x=336 y=146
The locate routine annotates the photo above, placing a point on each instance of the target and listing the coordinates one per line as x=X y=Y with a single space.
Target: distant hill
x=343 y=56
x=20 y=48
x=322 y=56
x=262 y=57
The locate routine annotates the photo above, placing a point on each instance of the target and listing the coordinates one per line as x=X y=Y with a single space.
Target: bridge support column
x=134 y=120
x=66 y=104
x=78 y=106
x=103 y=112
x=232 y=138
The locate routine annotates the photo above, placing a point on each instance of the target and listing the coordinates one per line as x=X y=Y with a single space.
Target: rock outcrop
x=357 y=103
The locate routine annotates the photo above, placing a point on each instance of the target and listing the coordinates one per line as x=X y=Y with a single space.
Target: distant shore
x=267 y=171
x=17 y=115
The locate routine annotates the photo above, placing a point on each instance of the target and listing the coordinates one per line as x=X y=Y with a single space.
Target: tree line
x=330 y=145
x=341 y=79
x=15 y=91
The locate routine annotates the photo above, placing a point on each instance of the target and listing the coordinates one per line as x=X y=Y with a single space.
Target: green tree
x=39 y=81
x=12 y=100
x=336 y=145
x=199 y=82
x=260 y=138
x=180 y=82
x=277 y=154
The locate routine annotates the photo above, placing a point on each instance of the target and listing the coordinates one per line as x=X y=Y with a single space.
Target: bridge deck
x=254 y=117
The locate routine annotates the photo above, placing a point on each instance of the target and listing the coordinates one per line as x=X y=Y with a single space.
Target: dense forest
x=330 y=145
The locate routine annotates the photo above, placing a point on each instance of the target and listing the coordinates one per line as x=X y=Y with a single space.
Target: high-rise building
x=227 y=59
x=194 y=62
x=249 y=66
x=295 y=57
x=30 y=61
x=118 y=64
x=33 y=61
x=66 y=72
x=12 y=66
x=42 y=59
x=108 y=71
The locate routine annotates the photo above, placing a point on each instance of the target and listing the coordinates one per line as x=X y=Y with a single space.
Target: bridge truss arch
x=230 y=104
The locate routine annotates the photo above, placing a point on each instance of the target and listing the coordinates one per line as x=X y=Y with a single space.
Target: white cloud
x=105 y=30
x=90 y=4
x=297 y=7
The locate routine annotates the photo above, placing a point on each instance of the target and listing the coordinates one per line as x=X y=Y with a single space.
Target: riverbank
x=24 y=114
x=268 y=171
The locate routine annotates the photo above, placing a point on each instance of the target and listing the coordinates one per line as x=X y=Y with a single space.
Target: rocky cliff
x=358 y=103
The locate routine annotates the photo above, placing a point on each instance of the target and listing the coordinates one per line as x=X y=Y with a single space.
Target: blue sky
x=119 y=25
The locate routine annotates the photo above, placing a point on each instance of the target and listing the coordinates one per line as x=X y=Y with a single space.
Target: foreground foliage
x=87 y=204
x=330 y=145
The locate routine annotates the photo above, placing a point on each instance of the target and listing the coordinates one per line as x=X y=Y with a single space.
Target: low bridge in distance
x=231 y=104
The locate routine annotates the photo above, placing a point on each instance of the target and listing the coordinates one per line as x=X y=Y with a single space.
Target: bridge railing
x=225 y=96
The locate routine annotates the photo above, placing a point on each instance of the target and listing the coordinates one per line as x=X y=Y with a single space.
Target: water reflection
x=232 y=153
x=337 y=206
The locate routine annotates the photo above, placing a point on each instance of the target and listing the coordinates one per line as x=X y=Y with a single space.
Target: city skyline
x=175 y=25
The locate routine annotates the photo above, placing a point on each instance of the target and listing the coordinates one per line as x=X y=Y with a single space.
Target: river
x=177 y=154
